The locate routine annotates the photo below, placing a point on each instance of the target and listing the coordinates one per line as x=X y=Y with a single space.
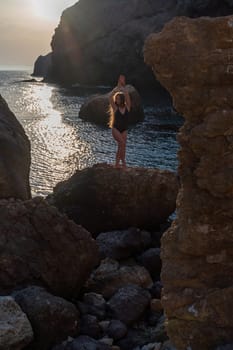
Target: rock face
x=15 y=329
x=96 y=108
x=53 y=319
x=104 y=198
x=41 y=246
x=96 y=41
x=42 y=65
x=197 y=256
x=14 y=156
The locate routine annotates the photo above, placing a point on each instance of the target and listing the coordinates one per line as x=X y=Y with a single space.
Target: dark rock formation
x=14 y=156
x=129 y=303
x=97 y=40
x=96 y=108
x=42 y=65
x=103 y=198
x=83 y=343
x=110 y=276
x=197 y=251
x=123 y=244
x=41 y=246
x=150 y=259
x=15 y=328
x=53 y=319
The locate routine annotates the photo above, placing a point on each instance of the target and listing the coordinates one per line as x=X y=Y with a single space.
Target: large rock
x=41 y=246
x=53 y=319
x=42 y=65
x=121 y=245
x=197 y=251
x=96 y=108
x=15 y=328
x=103 y=198
x=110 y=276
x=129 y=303
x=14 y=156
x=96 y=41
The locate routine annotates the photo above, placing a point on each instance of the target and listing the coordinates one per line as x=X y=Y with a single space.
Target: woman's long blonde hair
x=111 y=111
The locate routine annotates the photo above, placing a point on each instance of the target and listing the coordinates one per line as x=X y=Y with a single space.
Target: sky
x=26 y=29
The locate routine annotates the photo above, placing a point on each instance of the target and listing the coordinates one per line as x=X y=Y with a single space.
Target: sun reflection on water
x=56 y=145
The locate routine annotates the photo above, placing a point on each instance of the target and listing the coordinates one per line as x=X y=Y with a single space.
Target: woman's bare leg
x=123 y=151
x=120 y=144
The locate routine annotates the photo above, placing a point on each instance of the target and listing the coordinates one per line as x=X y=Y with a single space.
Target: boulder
x=150 y=259
x=34 y=239
x=83 y=343
x=53 y=319
x=15 y=328
x=121 y=245
x=129 y=303
x=96 y=41
x=93 y=304
x=116 y=329
x=110 y=276
x=14 y=157
x=89 y=326
x=197 y=272
x=96 y=108
x=103 y=198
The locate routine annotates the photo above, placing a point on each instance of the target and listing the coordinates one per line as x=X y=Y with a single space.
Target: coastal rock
x=41 y=246
x=96 y=41
x=197 y=271
x=116 y=329
x=83 y=343
x=14 y=157
x=122 y=244
x=96 y=108
x=53 y=319
x=129 y=303
x=93 y=304
x=150 y=259
x=103 y=198
x=89 y=326
x=110 y=276
x=42 y=65
x=15 y=329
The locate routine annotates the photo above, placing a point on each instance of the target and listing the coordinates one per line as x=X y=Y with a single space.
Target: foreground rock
x=197 y=251
x=110 y=276
x=83 y=343
x=103 y=198
x=41 y=246
x=15 y=329
x=121 y=245
x=53 y=319
x=96 y=108
x=14 y=156
x=96 y=41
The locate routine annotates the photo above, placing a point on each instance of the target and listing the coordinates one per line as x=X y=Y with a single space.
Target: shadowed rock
x=103 y=198
x=96 y=108
x=53 y=319
x=14 y=156
x=41 y=246
x=193 y=59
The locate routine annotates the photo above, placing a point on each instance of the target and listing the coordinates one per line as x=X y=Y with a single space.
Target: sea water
x=61 y=142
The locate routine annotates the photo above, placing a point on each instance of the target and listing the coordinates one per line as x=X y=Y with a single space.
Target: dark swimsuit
x=121 y=120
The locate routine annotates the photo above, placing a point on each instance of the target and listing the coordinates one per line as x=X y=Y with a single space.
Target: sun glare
x=51 y=10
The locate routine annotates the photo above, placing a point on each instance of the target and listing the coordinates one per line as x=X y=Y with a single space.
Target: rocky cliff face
x=193 y=59
x=14 y=156
x=42 y=65
x=97 y=40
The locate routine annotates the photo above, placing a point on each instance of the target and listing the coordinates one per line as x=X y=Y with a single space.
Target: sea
x=61 y=142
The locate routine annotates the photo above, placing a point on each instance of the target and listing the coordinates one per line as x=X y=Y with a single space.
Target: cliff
x=97 y=40
x=197 y=253
x=42 y=65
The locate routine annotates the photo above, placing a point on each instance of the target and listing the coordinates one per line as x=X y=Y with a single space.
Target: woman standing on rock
x=120 y=105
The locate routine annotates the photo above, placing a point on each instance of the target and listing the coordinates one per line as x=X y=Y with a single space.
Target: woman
x=120 y=105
